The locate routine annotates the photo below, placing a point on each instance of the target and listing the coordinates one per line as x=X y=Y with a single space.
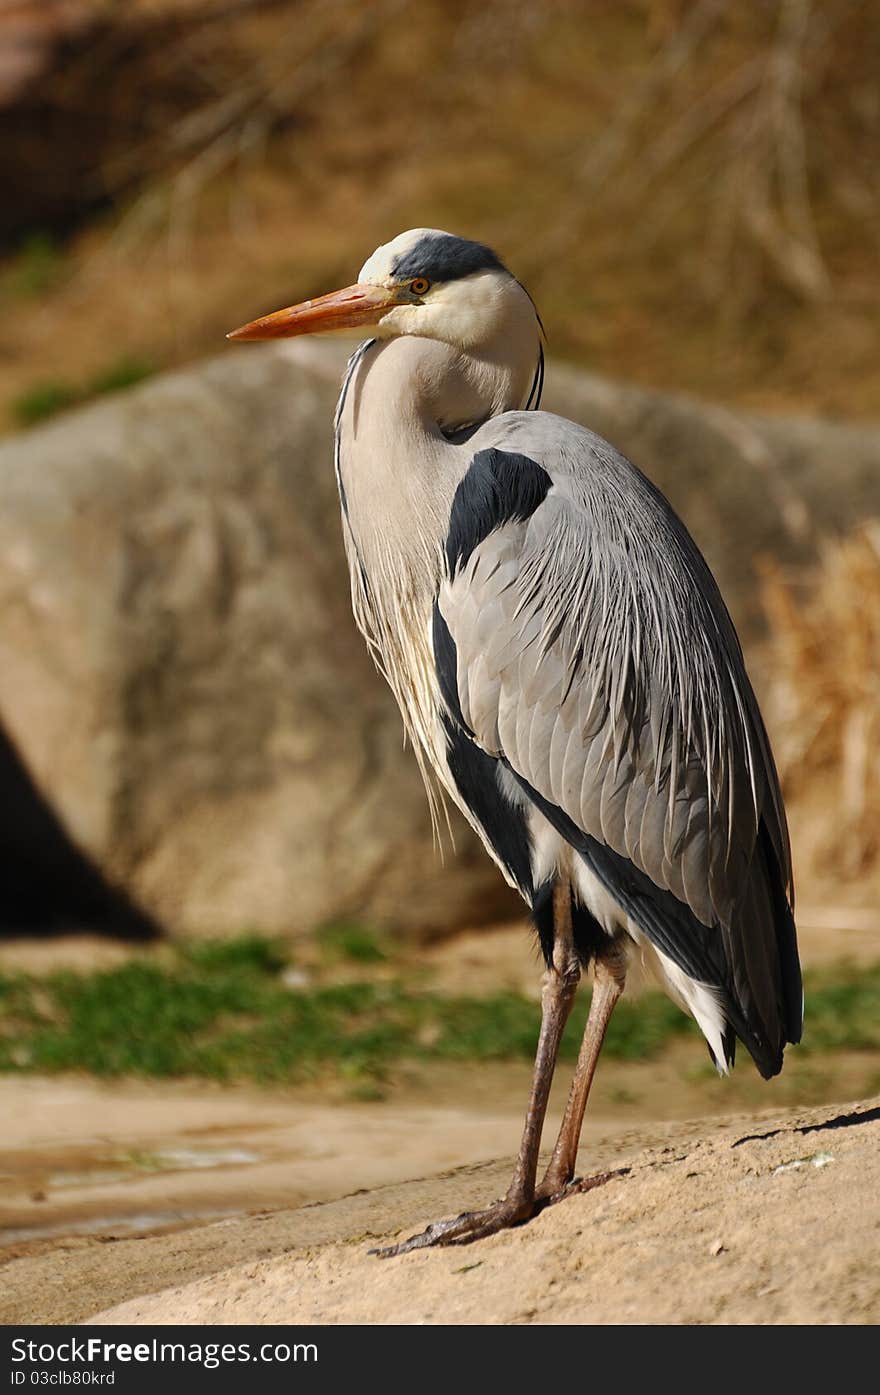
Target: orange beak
x=346 y=309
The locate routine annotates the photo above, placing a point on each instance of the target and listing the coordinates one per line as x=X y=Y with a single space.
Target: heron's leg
x=557 y=997
x=560 y=986
x=610 y=977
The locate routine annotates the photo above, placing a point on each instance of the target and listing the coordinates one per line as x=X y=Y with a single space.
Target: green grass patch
x=46 y=399
x=123 y=373
x=34 y=270
x=223 y=1011
x=843 y=1012
x=346 y=940
x=248 y=954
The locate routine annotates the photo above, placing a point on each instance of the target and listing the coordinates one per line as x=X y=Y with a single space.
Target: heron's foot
x=555 y=1186
x=466 y=1228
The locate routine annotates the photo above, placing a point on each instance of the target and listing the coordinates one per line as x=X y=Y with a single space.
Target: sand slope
x=774 y=1220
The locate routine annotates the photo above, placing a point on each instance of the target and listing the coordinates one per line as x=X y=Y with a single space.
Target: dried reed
x=824 y=657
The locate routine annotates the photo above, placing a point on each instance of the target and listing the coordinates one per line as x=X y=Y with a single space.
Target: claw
x=477 y=1225
x=439 y=1233
x=463 y=1229
x=549 y=1195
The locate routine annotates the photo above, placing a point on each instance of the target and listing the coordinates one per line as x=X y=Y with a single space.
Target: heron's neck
x=400 y=456
x=452 y=389
x=407 y=408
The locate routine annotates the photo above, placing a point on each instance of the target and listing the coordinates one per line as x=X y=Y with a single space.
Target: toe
x=461 y=1230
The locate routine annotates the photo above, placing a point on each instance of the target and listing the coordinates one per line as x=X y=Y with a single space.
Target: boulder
x=179 y=671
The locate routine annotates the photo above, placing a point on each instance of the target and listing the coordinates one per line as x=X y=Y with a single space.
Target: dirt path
x=771 y=1221
x=108 y=1190
x=147 y=1197
x=192 y=1202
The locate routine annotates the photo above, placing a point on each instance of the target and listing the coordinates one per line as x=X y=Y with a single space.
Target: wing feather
x=595 y=659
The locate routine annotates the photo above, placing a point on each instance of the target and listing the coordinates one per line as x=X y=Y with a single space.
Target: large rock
x=180 y=671
x=178 y=665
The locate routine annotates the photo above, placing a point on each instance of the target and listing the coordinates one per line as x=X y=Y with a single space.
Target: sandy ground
x=111 y=1191
x=190 y=1202
x=771 y=1221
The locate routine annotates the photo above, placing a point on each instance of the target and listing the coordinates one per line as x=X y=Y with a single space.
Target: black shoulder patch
x=443 y=257
x=499 y=488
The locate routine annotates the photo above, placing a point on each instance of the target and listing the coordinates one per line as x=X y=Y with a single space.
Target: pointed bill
x=349 y=308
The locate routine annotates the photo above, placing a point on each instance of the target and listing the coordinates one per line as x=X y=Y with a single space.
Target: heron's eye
x=420 y=285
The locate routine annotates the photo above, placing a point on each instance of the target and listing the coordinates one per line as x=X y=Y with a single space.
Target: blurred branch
x=824 y=654
x=220 y=133
x=750 y=130
x=767 y=193
x=621 y=132
x=115 y=95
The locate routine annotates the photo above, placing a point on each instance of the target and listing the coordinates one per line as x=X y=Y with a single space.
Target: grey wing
x=593 y=656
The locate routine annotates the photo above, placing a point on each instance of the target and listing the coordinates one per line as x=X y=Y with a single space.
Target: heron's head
x=425 y=283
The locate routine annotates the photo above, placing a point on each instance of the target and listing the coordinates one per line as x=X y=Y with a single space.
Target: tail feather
x=765 y=994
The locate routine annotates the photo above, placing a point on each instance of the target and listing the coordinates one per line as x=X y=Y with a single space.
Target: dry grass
x=825 y=660
x=689 y=189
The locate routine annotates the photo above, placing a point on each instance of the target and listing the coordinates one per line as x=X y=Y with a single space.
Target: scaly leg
x=610 y=976
x=560 y=985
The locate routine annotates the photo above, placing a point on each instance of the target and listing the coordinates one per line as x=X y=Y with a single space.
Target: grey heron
x=566 y=671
